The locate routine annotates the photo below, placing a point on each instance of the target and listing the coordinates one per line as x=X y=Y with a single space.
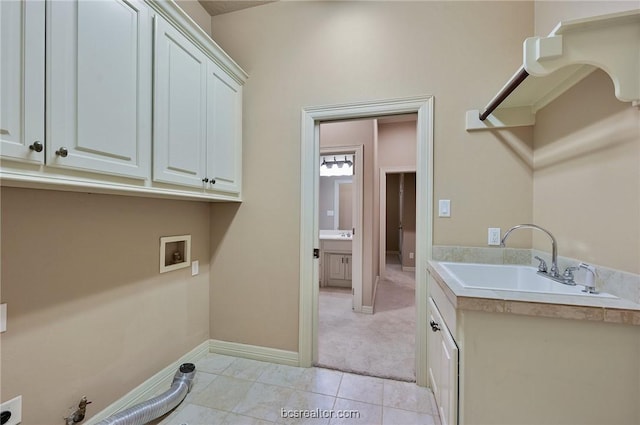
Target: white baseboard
x=254 y=352
x=367 y=309
x=152 y=386
x=408 y=269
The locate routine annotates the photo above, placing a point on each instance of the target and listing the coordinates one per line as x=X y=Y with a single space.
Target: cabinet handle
x=206 y=180
x=63 y=152
x=36 y=146
x=434 y=326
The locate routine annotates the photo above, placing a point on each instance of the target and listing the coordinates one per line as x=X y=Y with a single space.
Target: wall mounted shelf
x=554 y=64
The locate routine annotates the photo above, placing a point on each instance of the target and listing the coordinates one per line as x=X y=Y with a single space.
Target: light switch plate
x=195 y=268
x=15 y=407
x=444 y=208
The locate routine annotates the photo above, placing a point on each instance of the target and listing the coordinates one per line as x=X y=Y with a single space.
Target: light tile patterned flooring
x=236 y=391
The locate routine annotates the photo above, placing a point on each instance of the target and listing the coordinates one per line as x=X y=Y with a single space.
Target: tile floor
x=229 y=391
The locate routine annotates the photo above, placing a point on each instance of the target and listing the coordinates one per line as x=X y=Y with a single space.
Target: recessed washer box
x=175 y=252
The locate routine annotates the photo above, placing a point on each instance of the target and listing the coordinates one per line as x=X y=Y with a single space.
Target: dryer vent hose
x=149 y=410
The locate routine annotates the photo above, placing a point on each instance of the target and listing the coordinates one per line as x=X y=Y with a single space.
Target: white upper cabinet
x=22 y=80
x=99 y=86
x=180 y=121
x=224 y=131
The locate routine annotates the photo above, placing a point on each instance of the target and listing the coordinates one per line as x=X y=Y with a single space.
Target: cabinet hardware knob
x=213 y=181
x=36 y=146
x=206 y=180
x=434 y=326
x=63 y=152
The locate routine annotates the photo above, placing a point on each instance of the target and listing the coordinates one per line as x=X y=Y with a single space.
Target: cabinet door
x=336 y=267
x=99 y=86
x=22 y=80
x=180 y=123
x=347 y=267
x=443 y=367
x=224 y=130
x=434 y=341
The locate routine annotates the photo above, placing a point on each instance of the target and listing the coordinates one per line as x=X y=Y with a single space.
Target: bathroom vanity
x=335 y=258
x=513 y=357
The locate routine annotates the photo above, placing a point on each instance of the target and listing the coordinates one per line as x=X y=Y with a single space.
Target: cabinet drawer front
x=179 y=108
x=99 y=86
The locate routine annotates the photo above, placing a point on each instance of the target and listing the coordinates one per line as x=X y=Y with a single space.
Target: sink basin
x=510 y=278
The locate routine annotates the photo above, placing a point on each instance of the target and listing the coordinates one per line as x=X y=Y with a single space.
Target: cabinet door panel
x=99 y=86
x=180 y=108
x=336 y=266
x=449 y=379
x=22 y=79
x=224 y=128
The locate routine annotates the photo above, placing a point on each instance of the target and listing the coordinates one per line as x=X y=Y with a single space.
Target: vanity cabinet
x=22 y=81
x=118 y=86
x=99 y=86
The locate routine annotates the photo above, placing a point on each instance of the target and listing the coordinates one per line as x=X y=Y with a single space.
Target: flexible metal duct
x=149 y=410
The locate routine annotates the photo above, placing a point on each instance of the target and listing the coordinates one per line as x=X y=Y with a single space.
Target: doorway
x=309 y=271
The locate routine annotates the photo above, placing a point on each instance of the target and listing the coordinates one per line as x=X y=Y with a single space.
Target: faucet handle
x=567 y=276
x=542 y=267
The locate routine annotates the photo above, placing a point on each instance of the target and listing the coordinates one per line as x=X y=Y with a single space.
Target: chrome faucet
x=553 y=272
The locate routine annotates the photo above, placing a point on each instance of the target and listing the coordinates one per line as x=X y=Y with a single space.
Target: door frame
x=383 y=210
x=310 y=175
x=356 y=242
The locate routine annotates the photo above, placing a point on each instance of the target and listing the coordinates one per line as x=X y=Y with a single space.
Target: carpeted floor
x=380 y=344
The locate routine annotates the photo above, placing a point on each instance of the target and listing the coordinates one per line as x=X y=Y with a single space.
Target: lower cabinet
x=487 y=365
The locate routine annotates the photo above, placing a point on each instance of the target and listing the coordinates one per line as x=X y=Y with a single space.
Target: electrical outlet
x=494 y=236
x=12 y=410
x=195 y=268
x=411 y=255
x=3 y=317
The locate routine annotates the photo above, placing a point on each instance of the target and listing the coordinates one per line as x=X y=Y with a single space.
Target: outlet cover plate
x=494 y=236
x=15 y=407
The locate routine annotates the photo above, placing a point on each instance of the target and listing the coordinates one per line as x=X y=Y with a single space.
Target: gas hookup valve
x=78 y=415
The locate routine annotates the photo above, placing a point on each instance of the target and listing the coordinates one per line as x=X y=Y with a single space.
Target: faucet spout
x=554 y=246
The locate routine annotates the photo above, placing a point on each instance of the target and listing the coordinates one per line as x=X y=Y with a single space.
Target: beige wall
x=408 y=219
x=587 y=175
x=397 y=144
x=195 y=10
x=88 y=312
x=549 y=13
x=300 y=54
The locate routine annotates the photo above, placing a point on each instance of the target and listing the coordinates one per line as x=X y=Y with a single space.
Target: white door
x=224 y=130
x=99 y=86
x=180 y=95
x=22 y=80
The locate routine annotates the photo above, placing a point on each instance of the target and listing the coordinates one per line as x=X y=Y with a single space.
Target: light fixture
x=327 y=169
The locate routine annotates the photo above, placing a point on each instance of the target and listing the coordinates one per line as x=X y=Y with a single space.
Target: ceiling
x=215 y=7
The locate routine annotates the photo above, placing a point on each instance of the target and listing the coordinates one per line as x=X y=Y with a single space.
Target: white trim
x=254 y=352
x=152 y=386
x=383 y=211
x=367 y=309
x=310 y=164
x=408 y=269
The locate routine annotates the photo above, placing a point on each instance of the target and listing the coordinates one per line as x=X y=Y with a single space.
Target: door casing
x=311 y=117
